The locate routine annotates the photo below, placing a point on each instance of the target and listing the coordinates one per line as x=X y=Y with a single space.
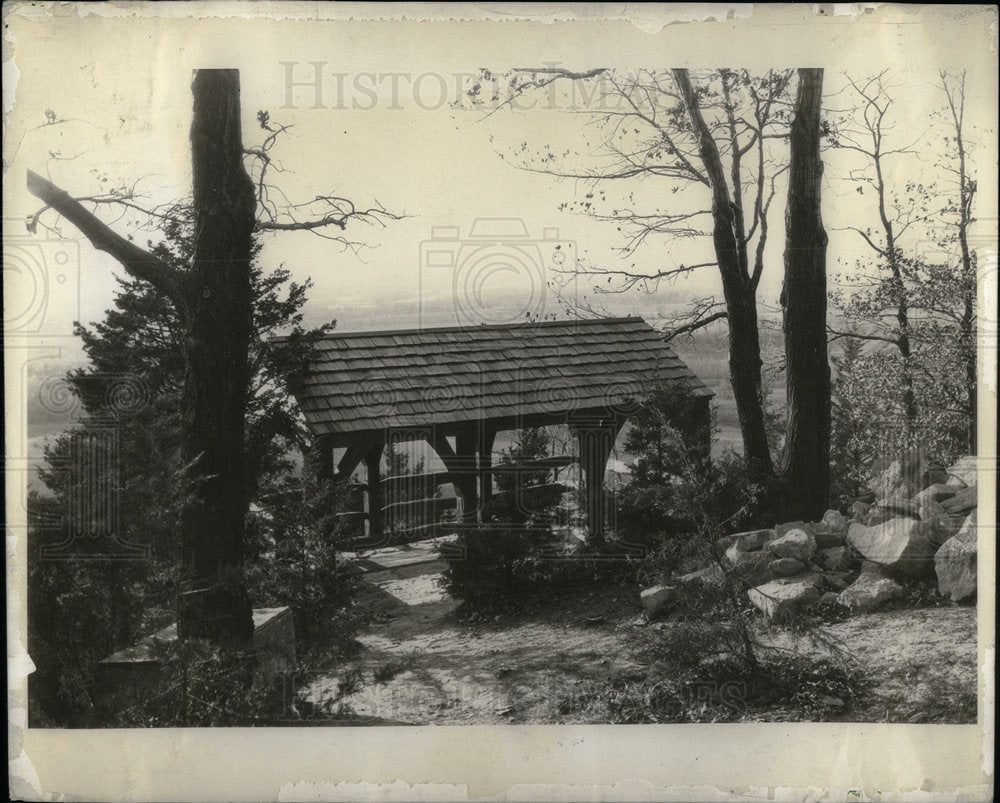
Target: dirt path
x=922 y=664
x=421 y=665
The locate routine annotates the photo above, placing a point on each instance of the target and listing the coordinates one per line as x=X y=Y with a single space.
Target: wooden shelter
x=457 y=387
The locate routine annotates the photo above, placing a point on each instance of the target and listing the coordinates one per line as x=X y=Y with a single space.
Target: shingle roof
x=362 y=381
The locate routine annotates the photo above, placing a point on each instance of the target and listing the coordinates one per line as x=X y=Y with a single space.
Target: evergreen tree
x=104 y=545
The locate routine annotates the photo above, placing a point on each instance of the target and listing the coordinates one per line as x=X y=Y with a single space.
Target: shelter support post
x=375 y=503
x=595 y=441
x=486 y=437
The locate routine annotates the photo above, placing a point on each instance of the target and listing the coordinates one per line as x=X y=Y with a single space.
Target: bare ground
x=921 y=662
x=422 y=665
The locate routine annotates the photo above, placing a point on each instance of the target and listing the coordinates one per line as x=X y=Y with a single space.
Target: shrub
x=80 y=610
x=300 y=534
x=498 y=567
x=202 y=685
x=515 y=557
x=674 y=483
x=493 y=566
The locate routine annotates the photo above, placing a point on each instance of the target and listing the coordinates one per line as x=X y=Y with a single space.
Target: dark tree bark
x=740 y=291
x=806 y=461
x=213 y=601
x=213 y=300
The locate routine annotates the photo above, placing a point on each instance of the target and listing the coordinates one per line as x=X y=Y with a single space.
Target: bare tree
x=964 y=313
x=213 y=300
x=884 y=304
x=714 y=141
x=917 y=295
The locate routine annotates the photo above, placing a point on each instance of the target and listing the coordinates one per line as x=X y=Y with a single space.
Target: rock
x=781 y=530
x=735 y=556
x=833 y=522
x=877 y=516
x=955 y=563
x=782 y=598
x=900 y=506
x=900 y=546
x=827 y=539
x=786 y=567
x=796 y=543
x=755 y=569
x=929 y=509
x=962 y=502
x=935 y=493
x=657 y=599
x=935 y=475
x=902 y=474
x=837 y=580
x=746 y=542
x=943 y=525
x=858 y=509
x=870 y=590
x=836 y=559
x=831 y=531
x=710 y=575
x=829 y=599
x=965 y=470
x=736 y=547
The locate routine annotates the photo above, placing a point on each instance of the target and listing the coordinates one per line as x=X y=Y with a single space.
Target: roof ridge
x=484 y=327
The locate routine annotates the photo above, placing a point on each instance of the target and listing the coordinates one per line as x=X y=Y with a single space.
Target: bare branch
x=878 y=338
x=137 y=262
x=702 y=312
x=628 y=279
x=553 y=74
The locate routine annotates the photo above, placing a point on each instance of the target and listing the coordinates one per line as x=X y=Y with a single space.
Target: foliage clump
x=524 y=550
x=103 y=538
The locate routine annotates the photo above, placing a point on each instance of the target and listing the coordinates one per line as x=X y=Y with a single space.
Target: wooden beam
x=496 y=423
x=352 y=457
x=391 y=486
x=324 y=451
x=436 y=504
x=462 y=468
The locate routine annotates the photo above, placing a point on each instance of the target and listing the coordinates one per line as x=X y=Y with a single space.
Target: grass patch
x=718 y=690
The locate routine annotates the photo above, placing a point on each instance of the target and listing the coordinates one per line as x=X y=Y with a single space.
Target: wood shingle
x=365 y=381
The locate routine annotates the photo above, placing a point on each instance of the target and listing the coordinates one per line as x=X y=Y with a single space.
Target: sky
x=382 y=127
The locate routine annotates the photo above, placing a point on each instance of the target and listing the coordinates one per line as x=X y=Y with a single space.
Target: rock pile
x=919 y=521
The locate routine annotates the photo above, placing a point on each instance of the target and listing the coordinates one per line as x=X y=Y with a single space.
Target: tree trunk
x=968 y=340
x=806 y=463
x=745 y=376
x=892 y=254
x=740 y=294
x=967 y=331
x=213 y=602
